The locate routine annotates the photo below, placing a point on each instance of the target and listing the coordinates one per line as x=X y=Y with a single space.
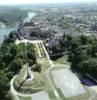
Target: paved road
x=47 y=55
x=13 y=92
x=48 y=80
x=28 y=41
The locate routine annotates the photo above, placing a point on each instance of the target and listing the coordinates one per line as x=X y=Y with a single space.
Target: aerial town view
x=48 y=50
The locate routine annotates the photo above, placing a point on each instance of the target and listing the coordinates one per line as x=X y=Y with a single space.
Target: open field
x=24 y=98
x=62 y=60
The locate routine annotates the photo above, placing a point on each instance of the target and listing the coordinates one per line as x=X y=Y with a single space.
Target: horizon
x=22 y=2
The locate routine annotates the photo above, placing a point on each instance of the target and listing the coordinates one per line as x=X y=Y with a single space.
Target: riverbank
x=4 y=30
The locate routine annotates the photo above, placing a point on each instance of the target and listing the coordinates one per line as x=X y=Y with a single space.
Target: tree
x=31 y=54
x=15 y=66
x=89 y=66
x=4 y=86
x=94 y=50
x=68 y=41
x=83 y=39
x=11 y=38
x=12 y=58
x=79 y=56
x=37 y=68
x=72 y=48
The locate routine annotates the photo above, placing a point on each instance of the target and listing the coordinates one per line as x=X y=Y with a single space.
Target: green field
x=24 y=98
x=62 y=60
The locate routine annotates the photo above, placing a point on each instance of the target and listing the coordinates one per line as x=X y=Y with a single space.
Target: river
x=5 y=31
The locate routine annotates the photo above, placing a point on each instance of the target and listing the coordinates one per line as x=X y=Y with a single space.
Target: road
x=48 y=80
x=13 y=92
x=47 y=55
x=28 y=41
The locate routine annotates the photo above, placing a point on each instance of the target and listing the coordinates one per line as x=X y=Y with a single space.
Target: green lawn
x=62 y=60
x=44 y=63
x=24 y=98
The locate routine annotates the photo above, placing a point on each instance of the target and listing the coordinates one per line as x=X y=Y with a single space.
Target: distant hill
x=10 y=16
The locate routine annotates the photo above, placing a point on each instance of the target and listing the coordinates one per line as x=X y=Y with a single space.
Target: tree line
x=82 y=53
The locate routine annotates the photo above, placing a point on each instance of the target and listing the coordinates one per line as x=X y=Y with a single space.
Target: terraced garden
x=39 y=50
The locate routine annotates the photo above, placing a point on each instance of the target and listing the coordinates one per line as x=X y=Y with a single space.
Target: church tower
x=20 y=23
x=20 y=27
